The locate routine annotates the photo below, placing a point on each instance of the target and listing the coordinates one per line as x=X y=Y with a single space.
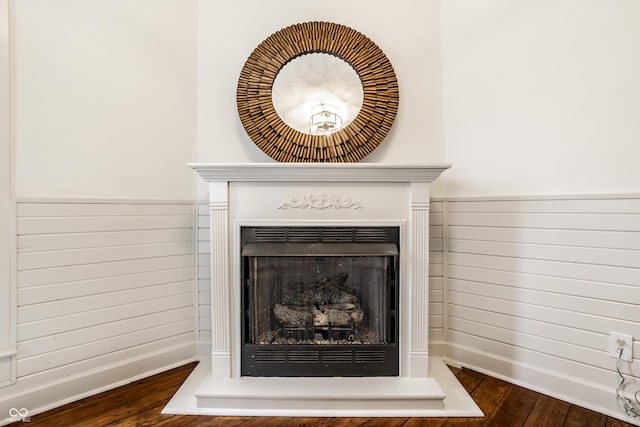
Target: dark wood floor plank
x=265 y=421
x=582 y=417
x=75 y=412
x=455 y=370
x=306 y=422
x=470 y=379
x=212 y=421
x=141 y=402
x=548 y=412
x=613 y=422
x=384 y=422
x=425 y=422
x=319 y=422
x=156 y=419
x=219 y=421
x=489 y=393
x=464 y=422
x=117 y=417
x=150 y=417
x=514 y=408
x=336 y=421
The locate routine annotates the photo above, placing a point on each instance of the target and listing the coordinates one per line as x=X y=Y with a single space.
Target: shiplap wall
x=436 y=268
x=535 y=286
x=101 y=284
x=204 y=275
x=436 y=279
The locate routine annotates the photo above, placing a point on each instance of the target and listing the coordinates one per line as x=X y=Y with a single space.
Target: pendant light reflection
x=324 y=120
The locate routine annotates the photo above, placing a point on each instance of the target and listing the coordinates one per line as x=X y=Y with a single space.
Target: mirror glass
x=317 y=93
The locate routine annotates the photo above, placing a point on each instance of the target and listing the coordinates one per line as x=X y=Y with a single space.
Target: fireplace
x=319 y=301
x=320 y=290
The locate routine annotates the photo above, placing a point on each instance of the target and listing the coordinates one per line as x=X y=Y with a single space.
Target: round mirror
x=317 y=93
x=325 y=136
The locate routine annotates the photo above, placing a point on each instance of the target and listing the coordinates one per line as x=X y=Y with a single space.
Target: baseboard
x=438 y=348
x=69 y=389
x=203 y=350
x=552 y=383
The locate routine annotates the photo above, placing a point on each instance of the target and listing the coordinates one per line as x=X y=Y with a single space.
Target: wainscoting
x=204 y=277
x=437 y=341
x=525 y=289
x=105 y=294
x=535 y=286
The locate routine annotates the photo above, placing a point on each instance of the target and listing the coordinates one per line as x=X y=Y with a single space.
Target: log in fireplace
x=320 y=301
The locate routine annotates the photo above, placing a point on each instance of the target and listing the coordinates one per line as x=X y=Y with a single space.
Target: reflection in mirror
x=317 y=93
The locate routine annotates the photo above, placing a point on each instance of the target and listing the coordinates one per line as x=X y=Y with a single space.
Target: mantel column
x=419 y=277
x=219 y=237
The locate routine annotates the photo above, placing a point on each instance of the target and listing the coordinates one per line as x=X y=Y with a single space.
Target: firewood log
x=328 y=294
x=338 y=315
x=293 y=316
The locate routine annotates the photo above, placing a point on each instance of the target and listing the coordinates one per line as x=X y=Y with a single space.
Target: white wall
x=541 y=96
x=105 y=98
x=407 y=31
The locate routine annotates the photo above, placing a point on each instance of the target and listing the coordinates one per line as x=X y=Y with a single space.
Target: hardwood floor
x=140 y=404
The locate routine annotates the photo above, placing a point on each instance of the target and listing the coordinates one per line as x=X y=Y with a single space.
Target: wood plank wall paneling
x=436 y=269
x=543 y=281
x=100 y=282
x=204 y=274
x=538 y=281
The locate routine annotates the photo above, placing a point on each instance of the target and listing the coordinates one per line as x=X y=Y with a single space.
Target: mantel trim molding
x=318 y=172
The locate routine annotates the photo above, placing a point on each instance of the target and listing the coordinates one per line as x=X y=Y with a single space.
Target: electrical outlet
x=618 y=342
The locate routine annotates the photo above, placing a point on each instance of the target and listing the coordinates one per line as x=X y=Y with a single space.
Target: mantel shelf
x=319 y=172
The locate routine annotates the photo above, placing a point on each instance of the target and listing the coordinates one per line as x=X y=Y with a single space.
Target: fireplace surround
x=319 y=301
x=320 y=196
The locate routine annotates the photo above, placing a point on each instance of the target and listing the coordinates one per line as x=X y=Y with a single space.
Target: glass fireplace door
x=320 y=301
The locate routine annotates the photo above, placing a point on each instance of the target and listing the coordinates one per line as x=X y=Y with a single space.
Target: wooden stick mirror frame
x=349 y=144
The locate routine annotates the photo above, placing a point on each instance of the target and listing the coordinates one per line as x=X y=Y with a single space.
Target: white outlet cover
x=627 y=352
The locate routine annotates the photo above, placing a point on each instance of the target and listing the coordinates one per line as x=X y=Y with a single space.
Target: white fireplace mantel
x=318 y=172
x=360 y=194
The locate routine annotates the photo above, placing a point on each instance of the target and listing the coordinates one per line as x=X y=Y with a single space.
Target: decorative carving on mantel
x=320 y=201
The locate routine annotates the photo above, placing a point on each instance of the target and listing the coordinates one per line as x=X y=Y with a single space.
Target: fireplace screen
x=320 y=301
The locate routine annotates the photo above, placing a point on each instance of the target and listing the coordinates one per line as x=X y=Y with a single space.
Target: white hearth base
x=440 y=395
x=320 y=394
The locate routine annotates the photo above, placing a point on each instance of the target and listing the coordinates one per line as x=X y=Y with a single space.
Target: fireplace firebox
x=320 y=301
